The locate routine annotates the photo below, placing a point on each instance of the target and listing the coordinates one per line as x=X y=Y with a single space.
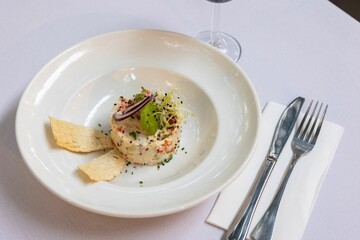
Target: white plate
x=81 y=85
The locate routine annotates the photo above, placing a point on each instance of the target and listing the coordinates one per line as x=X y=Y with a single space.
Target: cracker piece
x=105 y=167
x=78 y=138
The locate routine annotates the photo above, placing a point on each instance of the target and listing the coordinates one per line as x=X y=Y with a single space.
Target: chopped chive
x=133 y=134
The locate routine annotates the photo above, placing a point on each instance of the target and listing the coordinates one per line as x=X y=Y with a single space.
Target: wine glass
x=222 y=41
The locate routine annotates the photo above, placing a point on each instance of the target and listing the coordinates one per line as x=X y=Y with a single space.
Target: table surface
x=290 y=47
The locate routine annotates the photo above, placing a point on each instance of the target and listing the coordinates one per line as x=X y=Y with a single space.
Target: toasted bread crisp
x=105 y=167
x=78 y=138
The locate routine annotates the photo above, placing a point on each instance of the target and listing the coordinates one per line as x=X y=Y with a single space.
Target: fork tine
x=319 y=126
x=299 y=129
x=304 y=133
x=310 y=133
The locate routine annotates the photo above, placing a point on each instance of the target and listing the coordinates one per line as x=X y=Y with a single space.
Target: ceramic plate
x=82 y=84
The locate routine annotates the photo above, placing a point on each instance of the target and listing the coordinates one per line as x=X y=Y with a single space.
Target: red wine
x=219 y=1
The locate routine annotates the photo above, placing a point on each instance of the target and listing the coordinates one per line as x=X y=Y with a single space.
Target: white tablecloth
x=290 y=48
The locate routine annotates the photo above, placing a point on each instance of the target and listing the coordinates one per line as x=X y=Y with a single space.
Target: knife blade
x=240 y=225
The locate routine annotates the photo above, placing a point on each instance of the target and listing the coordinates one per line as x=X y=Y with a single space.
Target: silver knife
x=240 y=226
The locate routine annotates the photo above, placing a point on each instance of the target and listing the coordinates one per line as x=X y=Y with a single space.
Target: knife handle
x=265 y=227
x=240 y=225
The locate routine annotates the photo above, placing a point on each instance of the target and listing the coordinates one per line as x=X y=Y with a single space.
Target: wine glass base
x=225 y=43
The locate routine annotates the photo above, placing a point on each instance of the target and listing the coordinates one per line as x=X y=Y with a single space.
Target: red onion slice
x=132 y=109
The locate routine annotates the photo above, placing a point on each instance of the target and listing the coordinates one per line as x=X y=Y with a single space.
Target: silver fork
x=303 y=142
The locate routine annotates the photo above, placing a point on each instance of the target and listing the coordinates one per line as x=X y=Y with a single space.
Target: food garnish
x=105 y=167
x=133 y=109
x=77 y=138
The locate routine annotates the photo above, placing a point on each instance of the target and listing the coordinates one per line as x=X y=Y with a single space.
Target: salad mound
x=146 y=128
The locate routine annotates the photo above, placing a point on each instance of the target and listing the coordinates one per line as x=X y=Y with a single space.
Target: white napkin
x=303 y=186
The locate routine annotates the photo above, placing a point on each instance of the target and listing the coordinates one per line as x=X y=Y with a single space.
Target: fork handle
x=264 y=229
x=241 y=223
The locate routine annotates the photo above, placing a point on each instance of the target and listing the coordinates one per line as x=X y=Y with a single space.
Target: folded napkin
x=303 y=186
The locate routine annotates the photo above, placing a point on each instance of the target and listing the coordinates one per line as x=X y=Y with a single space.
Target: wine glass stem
x=215 y=26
